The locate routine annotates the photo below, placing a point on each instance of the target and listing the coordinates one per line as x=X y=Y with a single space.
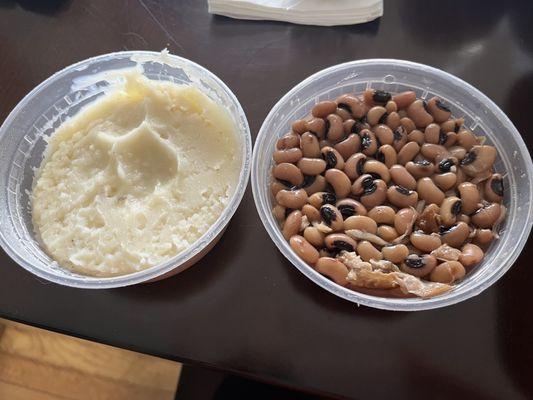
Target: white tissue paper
x=307 y=12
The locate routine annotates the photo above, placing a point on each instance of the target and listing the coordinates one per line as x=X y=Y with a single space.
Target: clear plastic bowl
x=481 y=115
x=61 y=96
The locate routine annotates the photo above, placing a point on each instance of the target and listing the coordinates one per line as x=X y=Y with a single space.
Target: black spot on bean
x=285 y=183
x=345 y=106
x=470 y=157
x=446 y=165
x=288 y=211
x=308 y=181
x=442 y=137
x=369 y=189
x=399 y=133
x=402 y=190
x=457 y=207
x=363 y=119
x=383 y=118
x=328 y=125
x=381 y=96
x=359 y=167
x=366 y=142
x=380 y=156
x=330 y=158
x=342 y=245
x=368 y=182
x=375 y=175
x=425 y=104
x=413 y=262
x=357 y=127
x=329 y=189
x=443 y=230
x=328 y=215
x=329 y=198
x=443 y=106
x=497 y=186
x=346 y=210
x=457 y=126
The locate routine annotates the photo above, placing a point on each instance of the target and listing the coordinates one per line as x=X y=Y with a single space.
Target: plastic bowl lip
x=364 y=299
x=88 y=282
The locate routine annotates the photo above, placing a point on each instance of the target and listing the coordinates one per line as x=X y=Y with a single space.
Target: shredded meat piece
x=446 y=253
x=362 y=235
x=305 y=223
x=322 y=227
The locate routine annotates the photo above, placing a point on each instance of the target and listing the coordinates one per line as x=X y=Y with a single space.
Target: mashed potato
x=135 y=178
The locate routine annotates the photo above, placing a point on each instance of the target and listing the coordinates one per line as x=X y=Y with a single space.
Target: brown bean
x=367 y=251
x=416 y=136
x=466 y=139
x=311 y=213
x=333 y=269
x=362 y=223
x=354 y=165
x=323 y=109
x=325 y=143
x=304 y=249
x=448 y=272
x=332 y=157
x=483 y=237
x=478 y=160
x=404 y=99
x=387 y=233
x=343 y=113
x=402 y=197
x=419 y=265
x=445 y=181
x=464 y=218
x=292 y=198
x=424 y=242
x=402 y=177
x=287 y=155
x=314 y=236
x=317 y=126
x=455 y=235
x=350 y=207
x=393 y=120
x=450 y=208
x=349 y=146
x=313 y=184
x=340 y=242
x=434 y=151
x=276 y=186
x=438 y=109
x=382 y=214
x=384 y=134
x=309 y=145
x=407 y=124
x=288 y=141
x=433 y=134
x=299 y=126
x=332 y=217
x=408 y=152
x=339 y=181
x=376 y=96
x=461 y=177
x=387 y=155
x=417 y=112
x=292 y=224
x=318 y=199
x=395 y=253
x=400 y=138
x=334 y=129
x=494 y=188
x=487 y=215
x=311 y=166
x=352 y=104
x=377 y=169
x=451 y=138
x=470 y=197
x=375 y=115
x=429 y=192
x=369 y=143
x=279 y=213
x=375 y=194
x=288 y=172
x=420 y=168
x=404 y=220
x=391 y=106
x=470 y=255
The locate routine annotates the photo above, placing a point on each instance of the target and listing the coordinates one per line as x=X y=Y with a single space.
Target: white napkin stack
x=306 y=12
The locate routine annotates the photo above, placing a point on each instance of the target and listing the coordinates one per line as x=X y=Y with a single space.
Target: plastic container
x=481 y=115
x=63 y=95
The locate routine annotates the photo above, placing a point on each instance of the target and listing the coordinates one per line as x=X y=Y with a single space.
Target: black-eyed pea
x=291 y=155
x=466 y=139
x=312 y=213
x=292 y=224
x=418 y=113
x=352 y=104
x=353 y=167
x=279 y=213
x=387 y=155
x=408 y=124
x=416 y=136
x=333 y=269
x=375 y=194
x=311 y=166
x=309 y=145
x=350 y=207
x=395 y=253
x=402 y=177
x=400 y=138
x=332 y=217
x=455 y=235
x=404 y=99
x=314 y=236
x=447 y=272
x=494 y=188
x=418 y=265
x=313 y=184
x=432 y=151
x=337 y=242
x=288 y=172
x=319 y=199
x=404 y=220
x=448 y=126
x=425 y=242
x=402 y=197
x=377 y=169
x=376 y=96
x=382 y=215
x=391 y=106
x=349 y=146
x=347 y=126
x=445 y=181
x=339 y=181
x=384 y=134
x=429 y=220
x=486 y=216
x=387 y=233
x=369 y=143
x=429 y=192
x=367 y=251
x=420 y=168
x=299 y=126
x=469 y=194
x=332 y=157
x=393 y=120
x=362 y=183
x=478 y=160
x=323 y=109
x=361 y=223
x=276 y=186
x=461 y=176
x=343 y=113
x=294 y=199
x=376 y=115
x=438 y=109
x=434 y=134
x=446 y=165
x=483 y=237
x=304 y=249
x=408 y=152
x=450 y=208
x=317 y=126
x=334 y=129
x=463 y=218
x=470 y=255
x=451 y=138
x=288 y=141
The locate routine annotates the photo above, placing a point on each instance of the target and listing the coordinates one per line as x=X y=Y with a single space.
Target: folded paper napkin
x=307 y=12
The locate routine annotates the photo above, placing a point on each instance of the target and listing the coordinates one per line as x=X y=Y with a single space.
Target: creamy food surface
x=135 y=178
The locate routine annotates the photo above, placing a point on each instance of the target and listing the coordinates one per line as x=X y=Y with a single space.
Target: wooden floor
x=36 y=364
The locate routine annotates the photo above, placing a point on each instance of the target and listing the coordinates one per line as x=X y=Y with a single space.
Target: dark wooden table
x=244 y=308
